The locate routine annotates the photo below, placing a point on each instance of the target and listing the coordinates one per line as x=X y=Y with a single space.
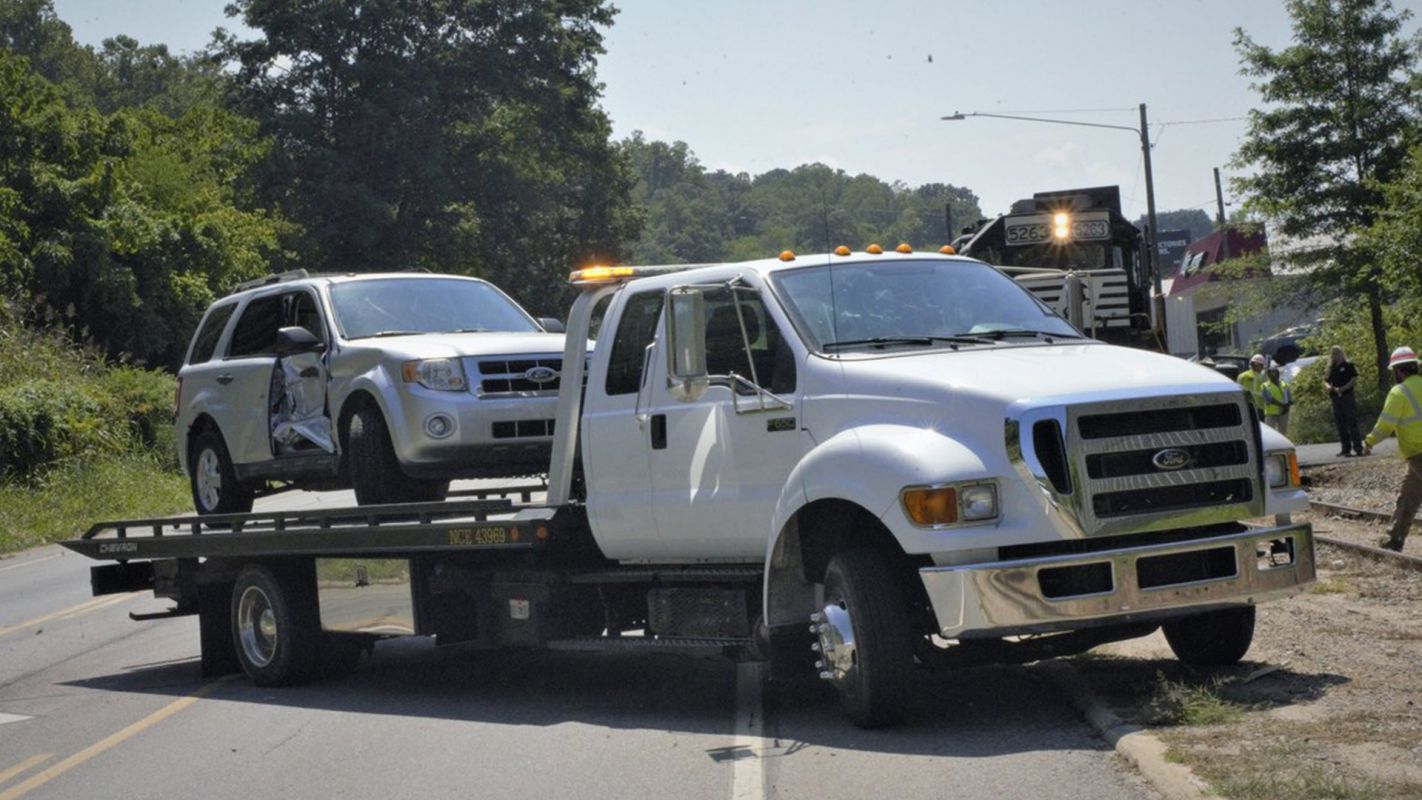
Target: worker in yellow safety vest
x=1275 y=396
x=1402 y=416
x=1250 y=380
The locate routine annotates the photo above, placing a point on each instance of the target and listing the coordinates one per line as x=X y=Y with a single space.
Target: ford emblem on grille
x=541 y=374
x=1170 y=458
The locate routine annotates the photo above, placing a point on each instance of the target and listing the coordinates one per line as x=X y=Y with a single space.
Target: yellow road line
x=73 y=611
x=108 y=601
x=39 y=560
x=24 y=766
x=109 y=742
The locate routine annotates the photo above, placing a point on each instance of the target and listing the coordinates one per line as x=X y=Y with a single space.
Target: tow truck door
x=719 y=463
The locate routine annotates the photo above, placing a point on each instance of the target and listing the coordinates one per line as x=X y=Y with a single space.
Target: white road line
x=747 y=766
x=6 y=719
x=31 y=561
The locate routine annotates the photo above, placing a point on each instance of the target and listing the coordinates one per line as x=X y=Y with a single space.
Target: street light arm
x=960 y=116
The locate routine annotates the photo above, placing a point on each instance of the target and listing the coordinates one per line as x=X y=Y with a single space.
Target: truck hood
x=462 y=345
x=1008 y=374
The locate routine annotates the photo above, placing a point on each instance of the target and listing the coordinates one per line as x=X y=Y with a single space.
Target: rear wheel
x=275 y=628
x=865 y=641
x=214 y=483
x=375 y=471
x=1214 y=639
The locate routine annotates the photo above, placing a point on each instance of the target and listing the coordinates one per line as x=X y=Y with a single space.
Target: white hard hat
x=1257 y=358
x=1400 y=356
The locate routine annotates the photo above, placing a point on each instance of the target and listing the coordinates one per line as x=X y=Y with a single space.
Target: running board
x=687 y=645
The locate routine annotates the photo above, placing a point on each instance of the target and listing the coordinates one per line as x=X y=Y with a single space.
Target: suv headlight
x=441 y=374
x=1281 y=470
x=954 y=504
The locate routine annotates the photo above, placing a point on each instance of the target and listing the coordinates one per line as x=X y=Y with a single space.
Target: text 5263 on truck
x=854 y=465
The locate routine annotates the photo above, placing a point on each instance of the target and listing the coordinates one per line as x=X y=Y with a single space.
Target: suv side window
x=306 y=314
x=770 y=355
x=635 y=330
x=206 y=340
x=255 y=334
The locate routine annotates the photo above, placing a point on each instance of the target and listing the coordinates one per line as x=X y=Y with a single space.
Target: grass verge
x=67 y=499
x=1181 y=703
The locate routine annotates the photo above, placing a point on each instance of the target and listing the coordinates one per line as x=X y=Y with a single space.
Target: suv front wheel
x=216 y=489
x=375 y=471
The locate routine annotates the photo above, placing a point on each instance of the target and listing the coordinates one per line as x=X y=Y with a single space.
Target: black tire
x=212 y=479
x=874 y=688
x=1214 y=639
x=375 y=471
x=275 y=626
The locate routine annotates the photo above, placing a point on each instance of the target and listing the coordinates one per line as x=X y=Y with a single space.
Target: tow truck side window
x=635 y=330
x=769 y=359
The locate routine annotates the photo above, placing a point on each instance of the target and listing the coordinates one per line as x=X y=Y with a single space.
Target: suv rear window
x=205 y=342
x=256 y=330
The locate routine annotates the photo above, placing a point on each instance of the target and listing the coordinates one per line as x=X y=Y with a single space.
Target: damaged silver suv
x=391 y=384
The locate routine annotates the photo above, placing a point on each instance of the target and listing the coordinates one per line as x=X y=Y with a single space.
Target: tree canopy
x=1341 y=106
x=453 y=135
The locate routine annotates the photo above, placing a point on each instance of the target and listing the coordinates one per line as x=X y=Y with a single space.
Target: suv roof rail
x=292 y=275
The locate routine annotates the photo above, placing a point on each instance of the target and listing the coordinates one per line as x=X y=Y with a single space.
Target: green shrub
x=142 y=400
x=45 y=421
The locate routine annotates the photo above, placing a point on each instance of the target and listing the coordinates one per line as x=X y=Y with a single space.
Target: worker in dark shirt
x=1342 y=375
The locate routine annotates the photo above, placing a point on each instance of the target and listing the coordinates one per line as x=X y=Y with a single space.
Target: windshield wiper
x=379 y=334
x=916 y=341
x=1021 y=333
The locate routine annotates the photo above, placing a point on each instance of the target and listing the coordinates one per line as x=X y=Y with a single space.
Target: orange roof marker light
x=841 y=251
x=948 y=250
x=904 y=248
x=787 y=255
x=874 y=250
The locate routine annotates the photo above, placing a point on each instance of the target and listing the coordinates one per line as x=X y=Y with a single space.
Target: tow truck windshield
x=415 y=305
x=898 y=304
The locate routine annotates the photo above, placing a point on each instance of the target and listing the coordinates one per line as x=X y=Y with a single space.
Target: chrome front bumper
x=1006 y=597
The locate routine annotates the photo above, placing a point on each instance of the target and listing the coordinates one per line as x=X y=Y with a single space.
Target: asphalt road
x=93 y=705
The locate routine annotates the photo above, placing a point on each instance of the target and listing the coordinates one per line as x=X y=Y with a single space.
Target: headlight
x=442 y=374
x=1281 y=470
x=937 y=506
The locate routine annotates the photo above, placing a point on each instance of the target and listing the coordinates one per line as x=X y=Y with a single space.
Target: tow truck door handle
x=659 y=431
x=225 y=378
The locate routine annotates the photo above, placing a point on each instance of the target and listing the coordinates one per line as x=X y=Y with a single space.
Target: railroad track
x=1398 y=559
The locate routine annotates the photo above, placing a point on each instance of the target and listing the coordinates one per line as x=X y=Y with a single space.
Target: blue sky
x=752 y=86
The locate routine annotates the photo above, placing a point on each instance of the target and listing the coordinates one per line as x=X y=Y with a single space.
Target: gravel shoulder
x=1327 y=704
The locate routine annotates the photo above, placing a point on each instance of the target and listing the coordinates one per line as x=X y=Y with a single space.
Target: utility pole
x=1152 y=235
x=1219 y=201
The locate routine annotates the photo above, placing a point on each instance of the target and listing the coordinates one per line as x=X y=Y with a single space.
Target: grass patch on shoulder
x=1178 y=703
x=1288 y=771
x=67 y=499
x=1333 y=586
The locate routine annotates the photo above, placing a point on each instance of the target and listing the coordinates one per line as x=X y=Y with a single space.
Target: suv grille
x=510 y=377
x=1152 y=463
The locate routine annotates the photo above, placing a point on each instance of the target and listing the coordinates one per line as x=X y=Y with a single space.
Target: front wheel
x=213 y=480
x=865 y=641
x=375 y=471
x=1213 y=639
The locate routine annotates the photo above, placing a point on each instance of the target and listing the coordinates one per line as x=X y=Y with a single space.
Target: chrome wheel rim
x=256 y=626
x=834 y=632
x=209 y=479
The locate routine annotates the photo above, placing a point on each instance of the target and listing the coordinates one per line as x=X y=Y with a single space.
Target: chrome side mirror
x=686 y=343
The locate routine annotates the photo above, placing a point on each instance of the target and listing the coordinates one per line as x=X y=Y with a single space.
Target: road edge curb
x=1144 y=750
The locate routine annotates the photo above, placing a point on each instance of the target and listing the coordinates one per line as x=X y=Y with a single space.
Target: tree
x=453 y=135
x=1341 y=105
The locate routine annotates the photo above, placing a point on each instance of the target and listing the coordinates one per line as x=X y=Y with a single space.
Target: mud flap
x=219 y=654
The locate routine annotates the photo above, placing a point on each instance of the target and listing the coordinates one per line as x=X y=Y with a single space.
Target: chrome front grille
x=519 y=376
x=1124 y=466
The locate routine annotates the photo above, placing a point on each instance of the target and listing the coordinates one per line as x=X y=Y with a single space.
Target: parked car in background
x=391 y=384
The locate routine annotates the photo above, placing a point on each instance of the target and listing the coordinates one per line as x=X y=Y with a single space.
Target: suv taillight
x=177 y=397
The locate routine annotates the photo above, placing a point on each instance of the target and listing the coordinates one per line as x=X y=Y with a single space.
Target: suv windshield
x=912 y=303
x=397 y=306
